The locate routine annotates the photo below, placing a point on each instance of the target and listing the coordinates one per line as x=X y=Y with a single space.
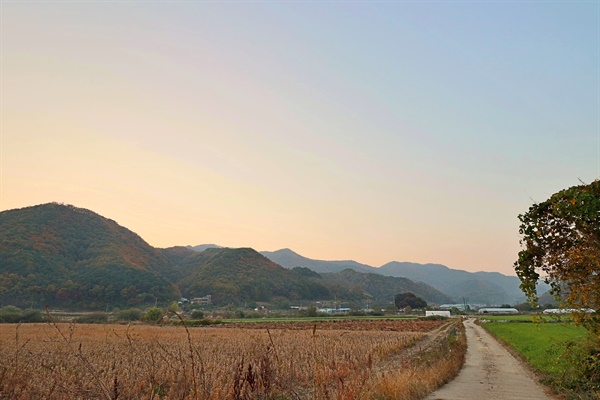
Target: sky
x=374 y=131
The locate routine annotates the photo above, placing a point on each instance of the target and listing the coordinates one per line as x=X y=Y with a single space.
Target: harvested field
x=330 y=360
x=347 y=325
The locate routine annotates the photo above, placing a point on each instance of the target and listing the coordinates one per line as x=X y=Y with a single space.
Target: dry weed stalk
x=85 y=362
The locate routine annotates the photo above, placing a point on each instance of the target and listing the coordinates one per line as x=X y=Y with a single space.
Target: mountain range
x=461 y=286
x=66 y=256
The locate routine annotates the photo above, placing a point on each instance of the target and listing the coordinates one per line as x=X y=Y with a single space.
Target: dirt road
x=490 y=373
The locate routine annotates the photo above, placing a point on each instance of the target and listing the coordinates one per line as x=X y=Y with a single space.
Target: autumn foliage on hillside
x=67 y=256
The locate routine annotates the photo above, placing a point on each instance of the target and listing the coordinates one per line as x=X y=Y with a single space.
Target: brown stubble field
x=391 y=359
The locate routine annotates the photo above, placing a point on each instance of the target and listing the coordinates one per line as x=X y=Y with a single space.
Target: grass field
x=541 y=344
x=527 y=318
x=563 y=353
x=351 y=359
x=524 y=318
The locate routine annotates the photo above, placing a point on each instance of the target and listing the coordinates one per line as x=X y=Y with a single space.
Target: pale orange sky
x=373 y=132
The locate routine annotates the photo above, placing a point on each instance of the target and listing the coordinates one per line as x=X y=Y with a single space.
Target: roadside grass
x=435 y=367
x=565 y=355
x=542 y=345
x=527 y=318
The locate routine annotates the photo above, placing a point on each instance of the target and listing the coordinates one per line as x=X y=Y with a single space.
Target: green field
x=525 y=318
x=540 y=344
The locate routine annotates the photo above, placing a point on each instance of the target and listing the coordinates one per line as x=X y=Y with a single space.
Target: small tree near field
x=153 y=315
x=408 y=299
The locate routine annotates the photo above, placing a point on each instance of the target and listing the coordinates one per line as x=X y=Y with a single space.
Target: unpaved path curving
x=490 y=373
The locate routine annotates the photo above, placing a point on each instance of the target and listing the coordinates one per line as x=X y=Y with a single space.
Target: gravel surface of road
x=490 y=373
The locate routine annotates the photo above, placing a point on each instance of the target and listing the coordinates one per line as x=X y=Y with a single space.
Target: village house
x=203 y=301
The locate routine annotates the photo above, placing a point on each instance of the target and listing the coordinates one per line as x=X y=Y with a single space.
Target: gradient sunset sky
x=373 y=131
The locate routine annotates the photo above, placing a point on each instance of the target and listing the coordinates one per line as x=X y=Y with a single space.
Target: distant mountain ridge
x=341 y=281
x=289 y=259
x=382 y=289
x=474 y=287
x=203 y=247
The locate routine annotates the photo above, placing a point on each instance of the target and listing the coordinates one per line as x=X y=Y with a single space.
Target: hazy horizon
x=365 y=131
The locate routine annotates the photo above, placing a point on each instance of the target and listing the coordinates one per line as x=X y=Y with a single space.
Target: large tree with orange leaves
x=561 y=245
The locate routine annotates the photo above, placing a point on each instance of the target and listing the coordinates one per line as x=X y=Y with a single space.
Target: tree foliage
x=561 y=245
x=12 y=314
x=68 y=257
x=154 y=315
x=65 y=256
x=358 y=286
x=241 y=275
x=408 y=299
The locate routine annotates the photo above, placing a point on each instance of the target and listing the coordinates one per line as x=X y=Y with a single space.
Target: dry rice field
x=391 y=359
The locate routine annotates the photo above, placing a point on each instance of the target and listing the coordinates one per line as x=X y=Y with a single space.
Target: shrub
x=93 y=318
x=582 y=372
x=310 y=311
x=31 y=315
x=12 y=314
x=132 y=314
x=197 y=314
x=154 y=315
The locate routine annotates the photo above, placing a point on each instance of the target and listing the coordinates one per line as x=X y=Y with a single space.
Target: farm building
x=334 y=310
x=438 y=313
x=459 y=306
x=566 y=310
x=206 y=300
x=491 y=310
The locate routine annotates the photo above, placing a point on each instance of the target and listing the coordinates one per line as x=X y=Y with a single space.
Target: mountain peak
x=202 y=247
x=82 y=258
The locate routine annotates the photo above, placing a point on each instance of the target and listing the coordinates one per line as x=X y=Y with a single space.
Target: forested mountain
x=474 y=287
x=233 y=275
x=289 y=259
x=350 y=280
x=67 y=256
x=379 y=288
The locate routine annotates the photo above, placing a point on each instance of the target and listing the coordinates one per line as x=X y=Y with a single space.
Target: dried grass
x=65 y=361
